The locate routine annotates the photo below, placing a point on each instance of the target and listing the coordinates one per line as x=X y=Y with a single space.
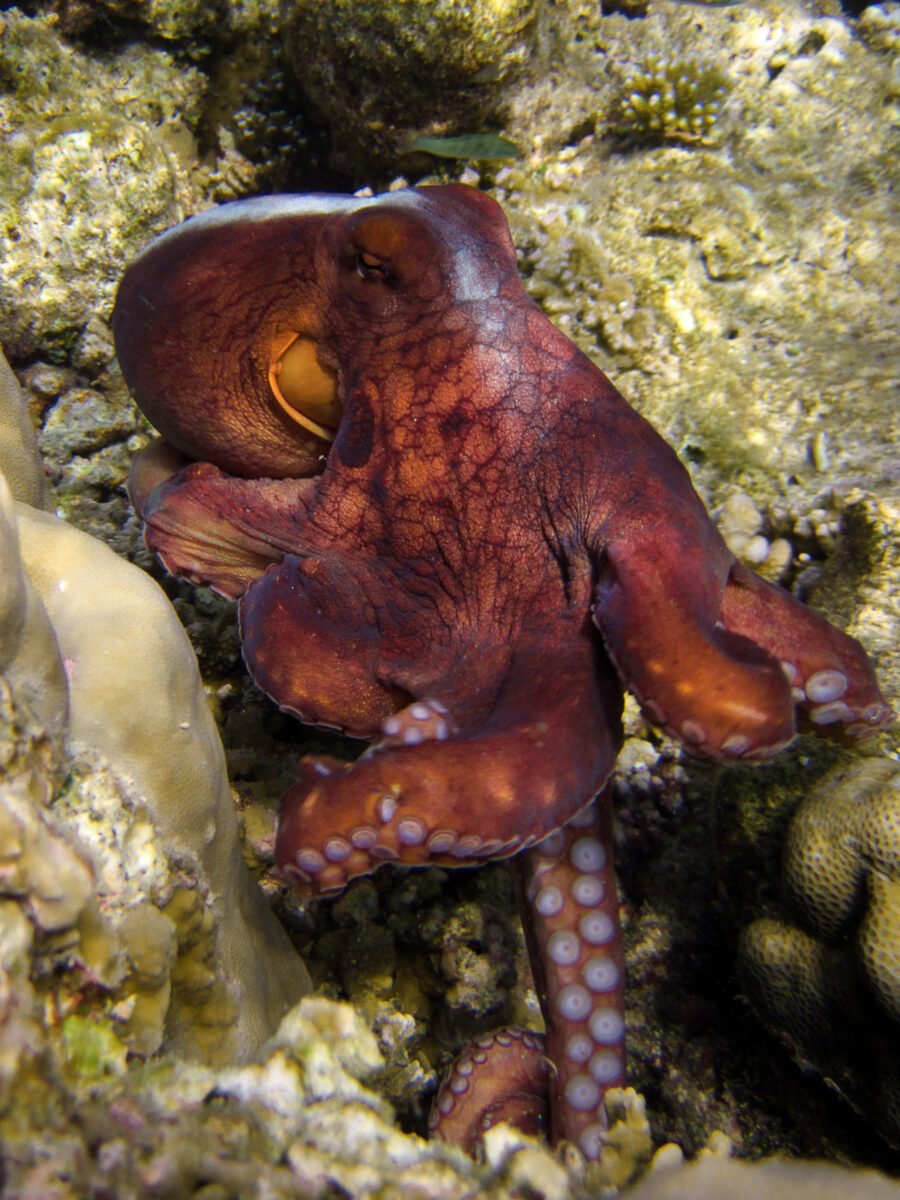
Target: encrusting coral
x=147 y=808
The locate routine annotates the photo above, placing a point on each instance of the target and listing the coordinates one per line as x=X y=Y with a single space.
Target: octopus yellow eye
x=305 y=389
x=369 y=267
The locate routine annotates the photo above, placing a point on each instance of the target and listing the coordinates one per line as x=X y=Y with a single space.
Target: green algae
x=92 y=1049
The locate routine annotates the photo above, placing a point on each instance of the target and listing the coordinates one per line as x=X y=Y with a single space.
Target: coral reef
x=742 y=294
x=146 y=804
x=679 y=100
x=378 y=71
x=826 y=976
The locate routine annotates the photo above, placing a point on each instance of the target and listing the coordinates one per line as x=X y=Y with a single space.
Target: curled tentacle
x=455 y=798
x=196 y=519
x=502 y=1076
x=832 y=681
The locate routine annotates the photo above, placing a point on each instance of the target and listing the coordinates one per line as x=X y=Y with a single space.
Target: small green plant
x=674 y=99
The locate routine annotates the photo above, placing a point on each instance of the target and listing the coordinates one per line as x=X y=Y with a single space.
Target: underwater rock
x=378 y=71
x=741 y=294
x=825 y=976
x=191 y=21
x=87 y=177
x=98 y=187
x=171 y=20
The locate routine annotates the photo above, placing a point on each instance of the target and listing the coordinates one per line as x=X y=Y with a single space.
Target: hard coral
x=135 y=866
x=826 y=978
x=677 y=99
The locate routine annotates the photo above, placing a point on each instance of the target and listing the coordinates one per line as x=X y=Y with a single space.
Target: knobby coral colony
x=422 y=494
x=676 y=99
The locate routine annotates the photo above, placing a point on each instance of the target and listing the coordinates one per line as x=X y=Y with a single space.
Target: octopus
x=449 y=535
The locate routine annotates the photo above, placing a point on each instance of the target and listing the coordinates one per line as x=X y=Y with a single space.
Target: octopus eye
x=307 y=391
x=371 y=268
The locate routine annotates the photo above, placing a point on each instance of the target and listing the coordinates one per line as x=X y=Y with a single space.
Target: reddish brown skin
x=494 y=535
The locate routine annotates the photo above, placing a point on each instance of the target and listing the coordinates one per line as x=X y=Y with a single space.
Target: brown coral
x=827 y=979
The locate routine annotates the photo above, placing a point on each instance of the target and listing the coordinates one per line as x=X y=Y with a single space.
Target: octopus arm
x=833 y=683
x=657 y=606
x=216 y=529
x=439 y=789
x=501 y=1076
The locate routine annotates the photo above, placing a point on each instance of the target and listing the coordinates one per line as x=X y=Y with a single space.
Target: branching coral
x=677 y=99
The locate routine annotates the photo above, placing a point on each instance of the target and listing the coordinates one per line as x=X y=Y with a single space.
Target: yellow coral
x=842 y=855
x=828 y=980
x=673 y=98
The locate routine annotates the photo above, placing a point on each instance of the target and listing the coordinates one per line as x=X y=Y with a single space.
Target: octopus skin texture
x=450 y=535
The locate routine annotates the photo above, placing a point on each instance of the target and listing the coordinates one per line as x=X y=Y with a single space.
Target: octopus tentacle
x=423 y=721
x=832 y=681
x=307 y=644
x=710 y=687
x=571 y=917
x=570 y=914
x=197 y=522
x=481 y=793
x=501 y=1076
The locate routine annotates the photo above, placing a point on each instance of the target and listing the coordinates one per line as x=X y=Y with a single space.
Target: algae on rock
x=380 y=70
x=87 y=176
x=760 y=272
